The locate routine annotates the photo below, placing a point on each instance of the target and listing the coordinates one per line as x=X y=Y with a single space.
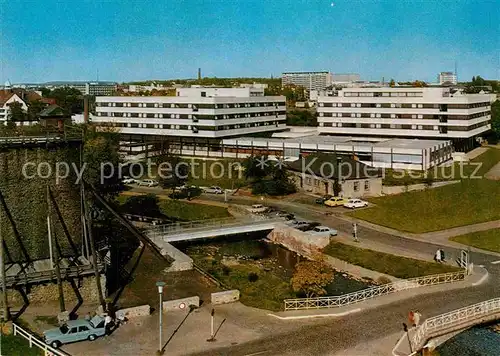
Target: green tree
x=102 y=159
x=301 y=118
x=145 y=205
x=392 y=83
x=34 y=108
x=495 y=118
x=16 y=112
x=176 y=173
x=68 y=98
x=311 y=277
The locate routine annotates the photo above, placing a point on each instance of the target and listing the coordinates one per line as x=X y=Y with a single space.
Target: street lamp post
x=160 y=286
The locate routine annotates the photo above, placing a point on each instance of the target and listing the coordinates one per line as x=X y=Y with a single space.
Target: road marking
x=256 y=353
x=314 y=315
x=495 y=262
x=483 y=278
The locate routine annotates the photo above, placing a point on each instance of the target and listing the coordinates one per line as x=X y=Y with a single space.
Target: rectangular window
x=356 y=186
x=367 y=185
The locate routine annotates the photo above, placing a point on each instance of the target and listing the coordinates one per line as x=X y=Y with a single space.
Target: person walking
x=355 y=232
x=416 y=318
x=107 y=324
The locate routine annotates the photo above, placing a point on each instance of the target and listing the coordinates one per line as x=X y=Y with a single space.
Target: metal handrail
x=430 y=326
x=33 y=340
x=372 y=292
x=191 y=226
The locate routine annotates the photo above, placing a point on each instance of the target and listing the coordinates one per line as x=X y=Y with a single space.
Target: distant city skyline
x=145 y=40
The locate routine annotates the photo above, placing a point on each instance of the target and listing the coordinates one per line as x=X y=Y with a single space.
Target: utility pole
x=6 y=314
x=55 y=253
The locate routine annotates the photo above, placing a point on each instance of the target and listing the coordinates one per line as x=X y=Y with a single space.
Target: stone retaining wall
x=297 y=241
x=182 y=262
x=228 y=296
x=41 y=293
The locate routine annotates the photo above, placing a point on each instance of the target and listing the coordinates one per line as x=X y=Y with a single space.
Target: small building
x=328 y=173
x=54 y=117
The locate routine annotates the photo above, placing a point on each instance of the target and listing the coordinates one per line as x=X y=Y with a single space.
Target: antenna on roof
x=456 y=75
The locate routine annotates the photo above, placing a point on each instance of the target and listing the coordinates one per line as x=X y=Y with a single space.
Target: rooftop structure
x=308 y=80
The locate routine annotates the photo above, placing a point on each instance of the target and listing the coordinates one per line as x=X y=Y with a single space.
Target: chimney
x=86 y=109
x=199 y=73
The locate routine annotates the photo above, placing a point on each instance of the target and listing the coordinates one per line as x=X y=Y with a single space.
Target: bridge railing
x=163 y=230
x=467 y=315
x=372 y=292
x=33 y=340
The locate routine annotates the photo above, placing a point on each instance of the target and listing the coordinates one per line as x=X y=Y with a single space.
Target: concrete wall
x=398 y=189
x=142 y=310
x=43 y=293
x=225 y=297
x=182 y=262
x=295 y=240
x=181 y=304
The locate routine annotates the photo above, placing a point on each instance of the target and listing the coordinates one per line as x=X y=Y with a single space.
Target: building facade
x=308 y=80
x=405 y=113
x=88 y=88
x=194 y=113
x=447 y=78
x=345 y=77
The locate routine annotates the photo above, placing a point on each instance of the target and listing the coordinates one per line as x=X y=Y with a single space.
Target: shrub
x=226 y=270
x=253 y=277
x=383 y=280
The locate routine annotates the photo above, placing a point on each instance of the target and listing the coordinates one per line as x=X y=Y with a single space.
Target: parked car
x=309 y=226
x=323 y=199
x=75 y=330
x=258 y=209
x=147 y=183
x=336 y=201
x=286 y=215
x=323 y=231
x=355 y=203
x=128 y=180
x=298 y=223
x=214 y=190
x=186 y=193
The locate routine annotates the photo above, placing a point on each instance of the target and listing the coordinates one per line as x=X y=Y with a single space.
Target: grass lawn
x=400 y=267
x=456 y=171
x=16 y=346
x=469 y=202
x=190 y=211
x=487 y=240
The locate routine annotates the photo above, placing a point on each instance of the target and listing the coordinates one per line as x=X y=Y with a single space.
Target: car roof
x=77 y=322
x=322 y=227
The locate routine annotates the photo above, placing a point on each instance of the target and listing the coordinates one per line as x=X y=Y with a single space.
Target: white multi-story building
x=194 y=113
x=6 y=98
x=88 y=88
x=447 y=78
x=345 y=77
x=407 y=112
x=308 y=80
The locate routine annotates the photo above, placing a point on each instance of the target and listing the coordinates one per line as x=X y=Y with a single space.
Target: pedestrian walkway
x=493 y=173
x=479 y=275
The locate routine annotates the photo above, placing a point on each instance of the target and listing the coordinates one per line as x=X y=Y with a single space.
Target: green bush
x=253 y=277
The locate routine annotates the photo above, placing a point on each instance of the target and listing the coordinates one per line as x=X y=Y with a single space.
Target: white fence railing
x=373 y=292
x=463 y=317
x=168 y=229
x=33 y=340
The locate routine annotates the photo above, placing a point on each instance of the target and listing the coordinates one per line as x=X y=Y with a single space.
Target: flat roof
x=347 y=140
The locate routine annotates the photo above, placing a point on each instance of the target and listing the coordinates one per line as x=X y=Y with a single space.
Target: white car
x=355 y=203
x=128 y=180
x=147 y=183
x=297 y=223
x=214 y=190
x=323 y=231
x=258 y=208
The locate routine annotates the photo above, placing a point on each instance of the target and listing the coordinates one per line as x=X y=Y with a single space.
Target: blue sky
x=142 y=39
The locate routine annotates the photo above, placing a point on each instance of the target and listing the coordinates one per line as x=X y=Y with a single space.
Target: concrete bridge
x=203 y=229
x=447 y=323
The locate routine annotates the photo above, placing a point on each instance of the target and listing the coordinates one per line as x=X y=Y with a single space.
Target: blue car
x=75 y=330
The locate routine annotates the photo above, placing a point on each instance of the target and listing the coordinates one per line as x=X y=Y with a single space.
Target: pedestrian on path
x=355 y=232
x=416 y=317
x=411 y=318
x=437 y=256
